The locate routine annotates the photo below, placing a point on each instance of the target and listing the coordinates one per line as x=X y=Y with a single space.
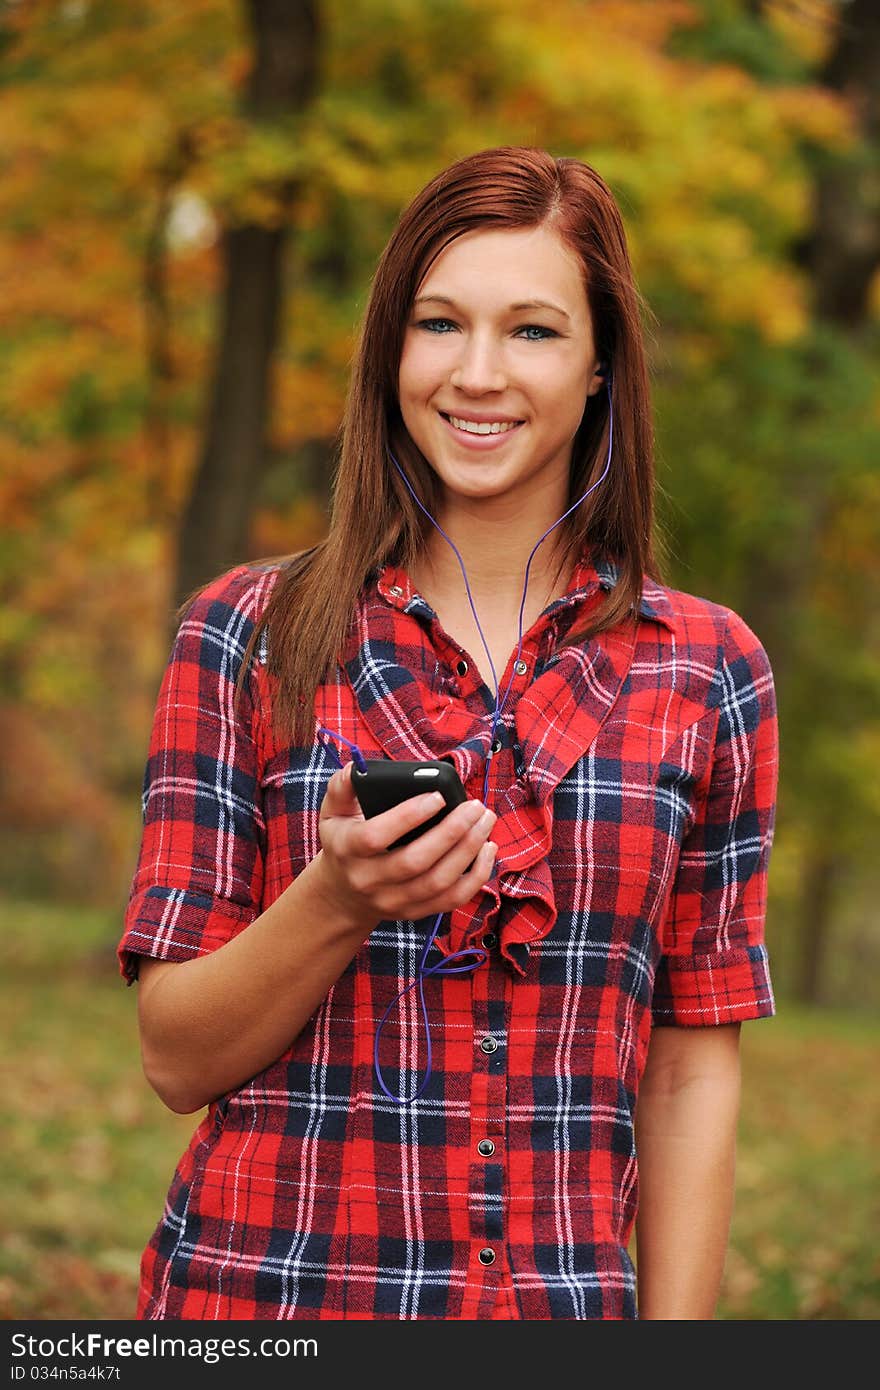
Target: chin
x=474 y=491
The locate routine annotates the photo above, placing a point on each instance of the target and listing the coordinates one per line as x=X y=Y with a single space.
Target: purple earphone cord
x=474 y=955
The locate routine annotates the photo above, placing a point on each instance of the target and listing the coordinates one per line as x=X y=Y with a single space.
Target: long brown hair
x=374 y=520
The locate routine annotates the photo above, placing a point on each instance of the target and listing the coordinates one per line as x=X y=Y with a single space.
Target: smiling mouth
x=481 y=427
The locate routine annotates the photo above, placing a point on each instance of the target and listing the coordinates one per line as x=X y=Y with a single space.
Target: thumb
x=339 y=798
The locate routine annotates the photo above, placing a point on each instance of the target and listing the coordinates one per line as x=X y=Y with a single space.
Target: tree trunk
x=214 y=528
x=841 y=254
x=843 y=251
x=817 y=906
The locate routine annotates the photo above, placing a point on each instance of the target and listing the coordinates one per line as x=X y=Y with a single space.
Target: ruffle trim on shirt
x=406 y=704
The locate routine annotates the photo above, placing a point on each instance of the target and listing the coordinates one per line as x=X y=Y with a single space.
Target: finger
x=375 y=835
x=463 y=830
x=466 y=887
x=339 y=798
x=444 y=876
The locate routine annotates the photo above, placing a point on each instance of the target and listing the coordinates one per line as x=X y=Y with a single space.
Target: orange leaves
x=295 y=527
x=706 y=159
x=308 y=405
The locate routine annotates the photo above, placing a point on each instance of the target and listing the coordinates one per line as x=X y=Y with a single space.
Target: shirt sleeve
x=714 y=966
x=199 y=874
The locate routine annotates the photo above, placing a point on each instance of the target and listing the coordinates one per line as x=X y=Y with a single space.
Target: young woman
x=421 y=1064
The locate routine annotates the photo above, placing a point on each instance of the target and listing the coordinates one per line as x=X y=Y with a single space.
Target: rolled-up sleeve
x=714 y=964
x=199 y=874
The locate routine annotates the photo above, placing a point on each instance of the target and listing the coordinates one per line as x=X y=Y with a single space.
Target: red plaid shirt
x=634 y=786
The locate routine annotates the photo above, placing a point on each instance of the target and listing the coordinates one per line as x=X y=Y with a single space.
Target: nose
x=479 y=366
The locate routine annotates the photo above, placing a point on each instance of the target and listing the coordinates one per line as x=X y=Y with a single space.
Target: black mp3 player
x=385 y=783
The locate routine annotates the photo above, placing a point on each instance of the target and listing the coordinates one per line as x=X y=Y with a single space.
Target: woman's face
x=479 y=352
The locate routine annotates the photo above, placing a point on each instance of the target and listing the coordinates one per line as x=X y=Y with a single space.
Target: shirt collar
x=654 y=604
x=395 y=586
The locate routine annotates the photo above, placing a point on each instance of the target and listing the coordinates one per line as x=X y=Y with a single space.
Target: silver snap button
x=486 y=1256
x=520 y=667
x=489 y=1045
x=396 y=591
x=485 y=1148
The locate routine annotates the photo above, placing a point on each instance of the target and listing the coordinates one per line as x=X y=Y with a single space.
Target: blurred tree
x=843 y=254
x=843 y=250
x=216 y=522
x=808 y=488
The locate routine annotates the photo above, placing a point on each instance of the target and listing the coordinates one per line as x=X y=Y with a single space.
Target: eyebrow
x=514 y=308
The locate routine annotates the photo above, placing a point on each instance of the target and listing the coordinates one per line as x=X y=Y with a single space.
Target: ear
x=601 y=377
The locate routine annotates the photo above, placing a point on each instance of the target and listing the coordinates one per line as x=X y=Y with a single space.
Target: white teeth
x=475 y=427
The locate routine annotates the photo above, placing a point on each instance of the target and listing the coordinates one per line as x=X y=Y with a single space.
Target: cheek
x=562 y=403
x=418 y=373
x=411 y=395
x=566 y=394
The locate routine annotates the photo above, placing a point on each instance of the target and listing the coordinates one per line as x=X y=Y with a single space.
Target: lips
x=481 y=424
x=484 y=439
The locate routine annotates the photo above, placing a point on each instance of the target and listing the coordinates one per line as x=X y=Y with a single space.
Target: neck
x=495 y=554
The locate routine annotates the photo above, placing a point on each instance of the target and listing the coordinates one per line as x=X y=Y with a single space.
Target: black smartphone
x=386 y=783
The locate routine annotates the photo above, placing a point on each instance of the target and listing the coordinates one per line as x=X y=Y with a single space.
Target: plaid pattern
x=635 y=788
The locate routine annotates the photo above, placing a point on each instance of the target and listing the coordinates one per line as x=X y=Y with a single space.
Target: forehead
x=503 y=265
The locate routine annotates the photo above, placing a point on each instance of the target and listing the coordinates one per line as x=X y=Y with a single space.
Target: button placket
x=491 y=998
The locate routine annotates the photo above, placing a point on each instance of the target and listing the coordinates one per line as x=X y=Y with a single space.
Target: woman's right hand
x=427 y=876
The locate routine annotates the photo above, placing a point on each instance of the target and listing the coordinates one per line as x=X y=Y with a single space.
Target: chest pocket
x=294 y=785
x=624 y=810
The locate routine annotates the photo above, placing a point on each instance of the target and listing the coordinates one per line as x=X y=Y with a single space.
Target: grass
x=89 y=1150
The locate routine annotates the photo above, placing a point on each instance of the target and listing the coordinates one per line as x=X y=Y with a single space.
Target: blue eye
x=537 y=328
